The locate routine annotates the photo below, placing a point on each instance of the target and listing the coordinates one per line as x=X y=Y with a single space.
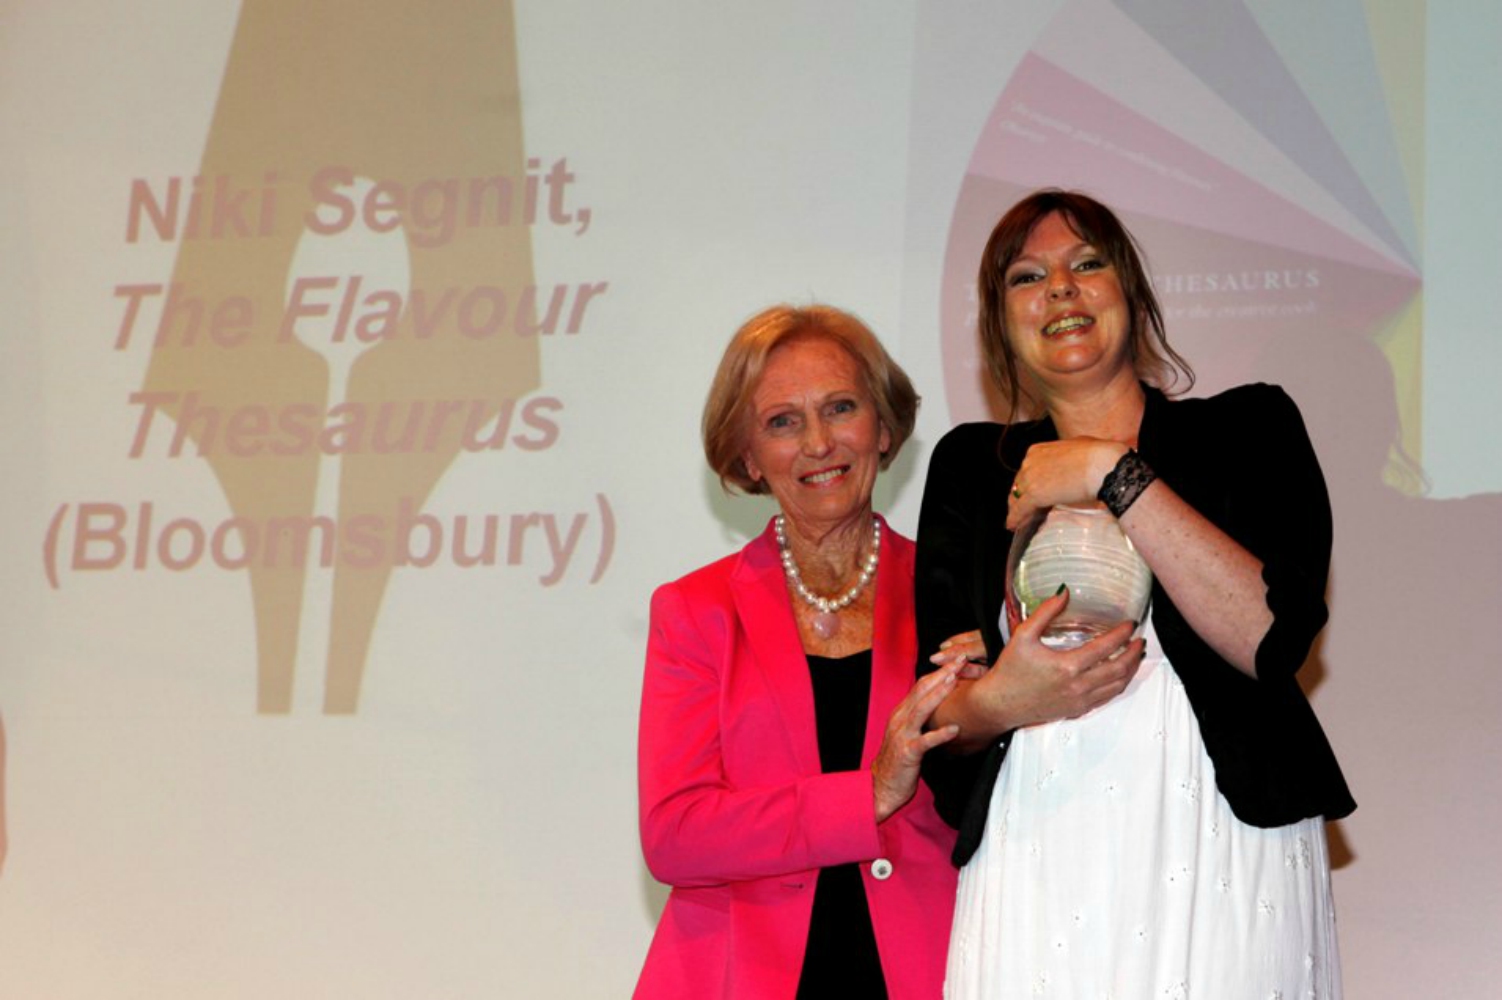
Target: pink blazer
x=735 y=813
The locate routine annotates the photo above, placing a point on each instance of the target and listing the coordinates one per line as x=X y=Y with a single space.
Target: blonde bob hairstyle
x=727 y=410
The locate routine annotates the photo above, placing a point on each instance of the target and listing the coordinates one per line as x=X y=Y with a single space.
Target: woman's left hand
x=1055 y=472
x=894 y=773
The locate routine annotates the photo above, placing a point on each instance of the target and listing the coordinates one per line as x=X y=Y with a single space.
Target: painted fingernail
x=1062 y=587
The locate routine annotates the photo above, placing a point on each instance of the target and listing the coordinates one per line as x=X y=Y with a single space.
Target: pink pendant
x=826 y=624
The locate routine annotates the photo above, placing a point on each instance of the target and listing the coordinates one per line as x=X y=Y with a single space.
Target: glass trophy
x=1085 y=548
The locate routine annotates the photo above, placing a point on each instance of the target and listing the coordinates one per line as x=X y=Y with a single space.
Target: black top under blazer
x=1242 y=459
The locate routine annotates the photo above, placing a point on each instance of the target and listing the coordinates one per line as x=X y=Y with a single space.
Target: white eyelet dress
x=1112 y=869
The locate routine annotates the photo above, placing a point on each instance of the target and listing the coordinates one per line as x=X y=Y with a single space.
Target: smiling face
x=814 y=436
x=1067 y=320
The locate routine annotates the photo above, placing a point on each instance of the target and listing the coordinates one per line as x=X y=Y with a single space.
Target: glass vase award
x=1082 y=547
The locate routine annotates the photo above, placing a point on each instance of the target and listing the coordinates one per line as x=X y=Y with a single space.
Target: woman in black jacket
x=1169 y=842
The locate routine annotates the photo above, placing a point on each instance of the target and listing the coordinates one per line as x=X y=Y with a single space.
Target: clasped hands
x=1031 y=683
x=969 y=703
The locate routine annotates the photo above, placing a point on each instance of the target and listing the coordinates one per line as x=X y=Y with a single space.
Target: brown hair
x=727 y=408
x=1154 y=360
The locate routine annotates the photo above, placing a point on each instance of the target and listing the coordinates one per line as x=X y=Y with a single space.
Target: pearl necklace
x=827 y=623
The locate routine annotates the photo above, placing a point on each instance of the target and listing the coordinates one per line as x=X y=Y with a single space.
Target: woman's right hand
x=1030 y=683
x=894 y=772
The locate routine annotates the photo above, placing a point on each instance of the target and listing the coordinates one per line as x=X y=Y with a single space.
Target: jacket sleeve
x=948 y=601
x=697 y=827
x=1281 y=512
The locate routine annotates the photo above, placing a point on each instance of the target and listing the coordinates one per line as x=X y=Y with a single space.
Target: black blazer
x=1244 y=461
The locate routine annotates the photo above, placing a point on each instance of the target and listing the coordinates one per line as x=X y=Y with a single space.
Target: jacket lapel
x=894 y=643
x=766 y=617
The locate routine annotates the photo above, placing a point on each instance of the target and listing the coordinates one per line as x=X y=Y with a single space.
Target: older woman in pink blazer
x=781 y=731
